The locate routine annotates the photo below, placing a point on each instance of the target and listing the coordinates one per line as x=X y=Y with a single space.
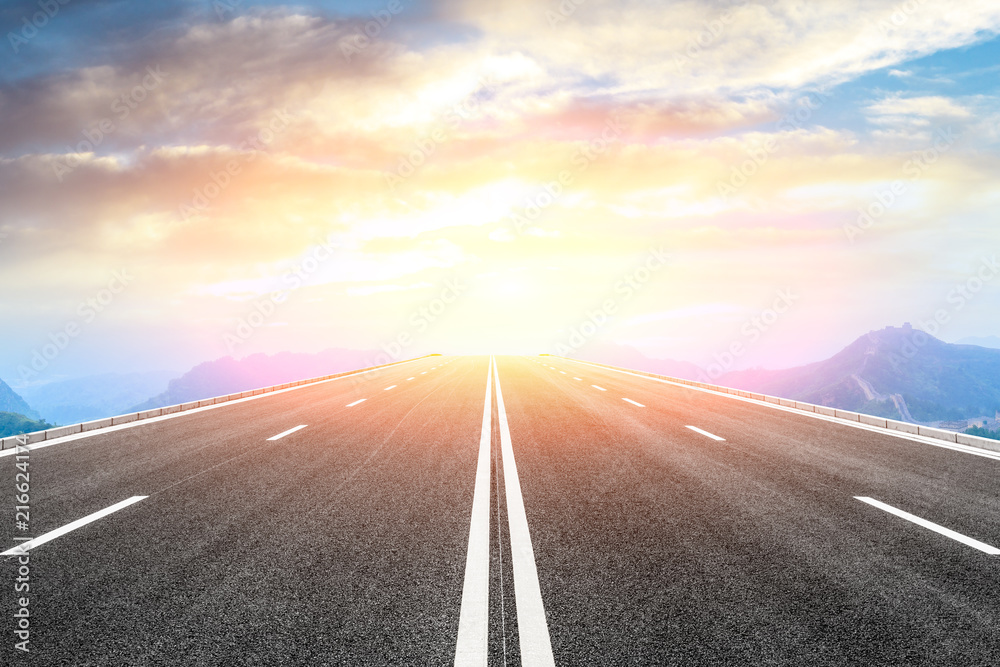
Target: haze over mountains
x=981 y=341
x=10 y=401
x=97 y=396
x=16 y=416
x=94 y=396
x=900 y=373
x=228 y=375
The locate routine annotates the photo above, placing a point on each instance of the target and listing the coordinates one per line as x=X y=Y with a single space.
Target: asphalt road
x=609 y=531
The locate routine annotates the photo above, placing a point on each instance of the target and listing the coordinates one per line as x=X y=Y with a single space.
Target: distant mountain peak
x=11 y=401
x=898 y=372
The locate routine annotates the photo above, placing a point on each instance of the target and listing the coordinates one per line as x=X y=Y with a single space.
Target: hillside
x=10 y=401
x=15 y=424
x=228 y=375
x=981 y=341
x=901 y=373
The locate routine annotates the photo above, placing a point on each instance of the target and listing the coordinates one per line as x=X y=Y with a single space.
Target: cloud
x=412 y=156
x=891 y=109
x=631 y=49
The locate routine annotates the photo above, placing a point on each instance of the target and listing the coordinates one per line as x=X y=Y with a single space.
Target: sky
x=182 y=181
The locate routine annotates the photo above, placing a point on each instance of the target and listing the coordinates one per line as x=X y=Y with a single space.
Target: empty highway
x=502 y=511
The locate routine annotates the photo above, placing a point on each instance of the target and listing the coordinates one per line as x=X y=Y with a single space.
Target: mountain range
x=228 y=375
x=94 y=396
x=10 y=401
x=898 y=372
x=981 y=341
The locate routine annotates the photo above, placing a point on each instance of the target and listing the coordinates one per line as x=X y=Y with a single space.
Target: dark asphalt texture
x=345 y=543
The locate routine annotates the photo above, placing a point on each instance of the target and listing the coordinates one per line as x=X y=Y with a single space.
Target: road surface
x=509 y=510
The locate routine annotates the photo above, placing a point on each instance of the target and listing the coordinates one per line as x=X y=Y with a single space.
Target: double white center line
x=473 y=624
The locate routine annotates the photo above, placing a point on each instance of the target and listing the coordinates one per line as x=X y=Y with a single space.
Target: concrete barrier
x=976 y=441
x=71 y=429
x=894 y=425
x=96 y=424
x=60 y=431
x=37 y=436
x=870 y=420
x=938 y=433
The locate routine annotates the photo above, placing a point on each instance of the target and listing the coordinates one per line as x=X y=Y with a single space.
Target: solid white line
x=389 y=387
x=474 y=617
x=710 y=435
x=536 y=647
x=288 y=432
x=53 y=534
x=629 y=400
x=596 y=387
x=360 y=400
x=941 y=530
x=922 y=439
